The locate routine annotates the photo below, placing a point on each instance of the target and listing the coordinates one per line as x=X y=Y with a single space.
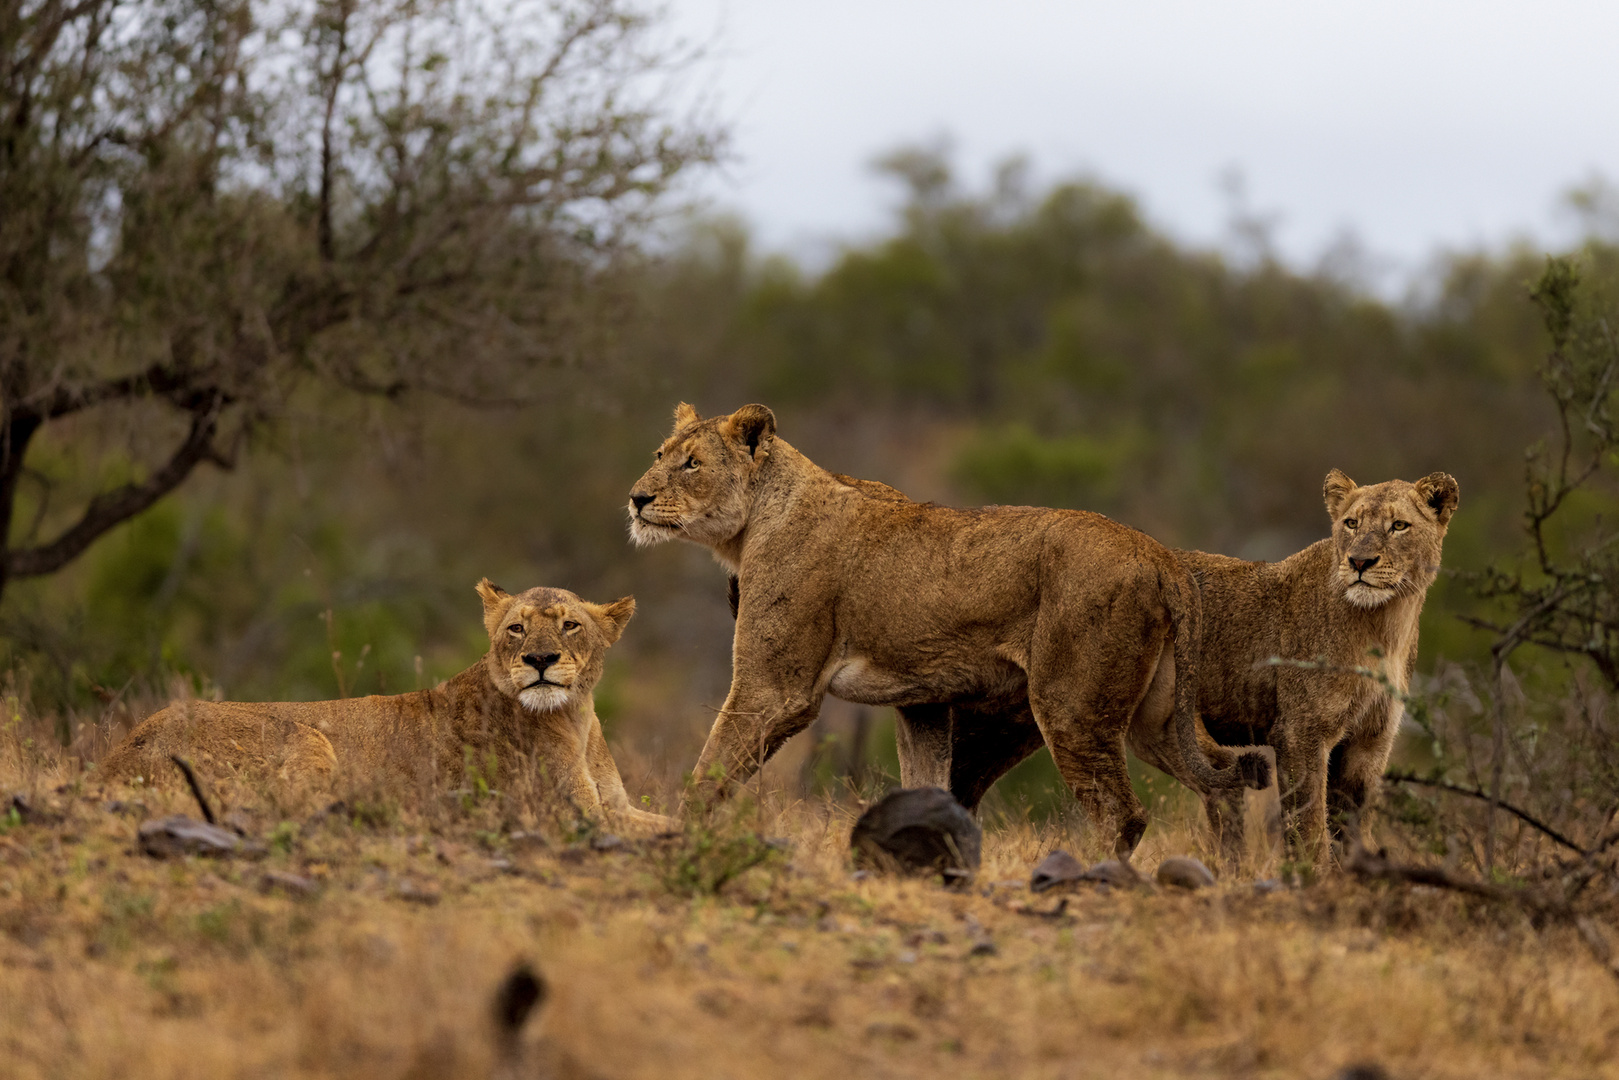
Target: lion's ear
x=1336 y=491
x=1442 y=494
x=495 y=602
x=612 y=617
x=685 y=414
x=752 y=426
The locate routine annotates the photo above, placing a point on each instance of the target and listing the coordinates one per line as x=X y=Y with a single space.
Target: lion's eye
x=569 y=626
x=693 y=463
x=1351 y=523
x=1401 y=526
x=657 y=455
x=515 y=629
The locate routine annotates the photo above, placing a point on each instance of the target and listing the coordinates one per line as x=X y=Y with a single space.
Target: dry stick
x=1367 y=866
x=1475 y=793
x=196 y=788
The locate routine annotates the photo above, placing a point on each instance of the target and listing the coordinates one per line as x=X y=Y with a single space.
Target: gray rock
x=293 y=884
x=918 y=831
x=1365 y=1070
x=1120 y=875
x=1184 y=872
x=1058 y=868
x=172 y=837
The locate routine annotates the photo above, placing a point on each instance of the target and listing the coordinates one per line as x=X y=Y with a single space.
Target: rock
x=606 y=842
x=1267 y=886
x=287 y=883
x=1365 y=1070
x=171 y=837
x=1184 y=872
x=412 y=893
x=1120 y=875
x=1058 y=868
x=918 y=831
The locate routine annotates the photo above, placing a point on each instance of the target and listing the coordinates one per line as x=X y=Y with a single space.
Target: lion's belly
x=867 y=682
x=858 y=679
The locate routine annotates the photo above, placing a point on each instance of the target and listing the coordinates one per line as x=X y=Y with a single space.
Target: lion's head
x=546 y=646
x=699 y=487
x=1388 y=536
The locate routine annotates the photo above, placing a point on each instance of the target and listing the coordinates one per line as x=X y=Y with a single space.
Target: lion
x=1341 y=616
x=528 y=700
x=848 y=588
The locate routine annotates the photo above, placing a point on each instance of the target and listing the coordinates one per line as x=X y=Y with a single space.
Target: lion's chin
x=545 y=698
x=647 y=533
x=1363 y=595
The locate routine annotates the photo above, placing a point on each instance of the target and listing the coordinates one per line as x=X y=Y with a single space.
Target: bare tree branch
x=112 y=508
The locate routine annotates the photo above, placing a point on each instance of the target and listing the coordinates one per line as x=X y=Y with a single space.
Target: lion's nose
x=640 y=500
x=540 y=663
x=1362 y=565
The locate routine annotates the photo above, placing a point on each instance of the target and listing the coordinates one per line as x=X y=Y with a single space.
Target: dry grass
x=114 y=964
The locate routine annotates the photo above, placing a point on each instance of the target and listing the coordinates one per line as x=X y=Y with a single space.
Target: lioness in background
x=1350 y=601
x=527 y=703
x=848 y=588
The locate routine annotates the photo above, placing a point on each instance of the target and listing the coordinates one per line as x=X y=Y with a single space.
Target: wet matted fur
x=528 y=703
x=846 y=587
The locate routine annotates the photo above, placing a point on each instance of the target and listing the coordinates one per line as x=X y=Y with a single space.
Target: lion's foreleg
x=1301 y=767
x=923 y=735
x=746 y=733
x=1355 y=769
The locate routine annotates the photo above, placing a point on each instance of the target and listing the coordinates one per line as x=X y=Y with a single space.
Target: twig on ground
x=196 y=788
x=1378 y=866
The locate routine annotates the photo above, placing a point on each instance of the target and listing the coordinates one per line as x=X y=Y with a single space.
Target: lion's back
x=238 y=736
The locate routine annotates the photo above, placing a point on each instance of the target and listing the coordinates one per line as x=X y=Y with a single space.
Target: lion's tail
x=1246 y=768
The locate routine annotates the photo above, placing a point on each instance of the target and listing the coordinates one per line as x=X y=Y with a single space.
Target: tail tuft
x=1254 y=768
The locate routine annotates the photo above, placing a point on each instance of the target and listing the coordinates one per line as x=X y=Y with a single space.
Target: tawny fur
x=527 y=703
x=846 y=587
x=1331 y=729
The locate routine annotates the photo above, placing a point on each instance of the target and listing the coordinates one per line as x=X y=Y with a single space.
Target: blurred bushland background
x=313 y=313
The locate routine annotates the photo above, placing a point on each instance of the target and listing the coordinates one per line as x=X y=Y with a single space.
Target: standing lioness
x=1335 y=613
x=849 y=589
x=527 y=703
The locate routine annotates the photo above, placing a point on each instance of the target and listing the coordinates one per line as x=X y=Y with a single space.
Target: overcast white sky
x=1417 y=124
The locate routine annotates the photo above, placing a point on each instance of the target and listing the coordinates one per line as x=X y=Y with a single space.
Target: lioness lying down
x=848 y=588
x=527 y=704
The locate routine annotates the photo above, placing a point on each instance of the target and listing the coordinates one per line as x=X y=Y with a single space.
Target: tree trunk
x=16 y=431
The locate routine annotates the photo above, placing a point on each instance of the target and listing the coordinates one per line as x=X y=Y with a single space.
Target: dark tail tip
x=1254 y=768
x=517 y=997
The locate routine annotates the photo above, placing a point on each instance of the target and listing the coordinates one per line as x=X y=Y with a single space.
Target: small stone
x=1267 y=886
x=1364 y=1070
x=1184 y=872
x=906 y=956
x=606 y=842
x=170 y=837
x=292 y=884
x=1058 y=868
x=412 y=893
x=1112 y=872
x=983 y=948
x=919 y=831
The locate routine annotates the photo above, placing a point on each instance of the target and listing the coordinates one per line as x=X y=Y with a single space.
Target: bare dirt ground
x=368 y=941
